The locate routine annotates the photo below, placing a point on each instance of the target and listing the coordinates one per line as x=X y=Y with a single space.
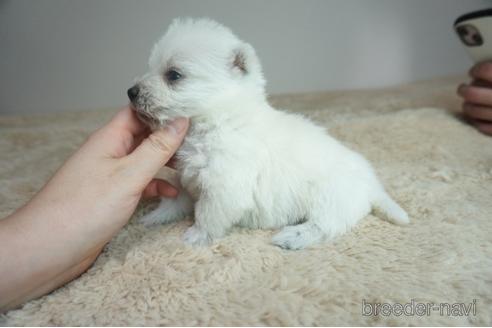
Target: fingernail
x=178 y=124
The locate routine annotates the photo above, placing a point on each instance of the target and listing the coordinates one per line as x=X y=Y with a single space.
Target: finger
x=484 y=127
x=127 y=120
x=136 y=141
x=476 y=95
x=120 y=136
x=155 y=151
x=481 y=83
x=477 y=112
x=160 y=188
x=482 y=71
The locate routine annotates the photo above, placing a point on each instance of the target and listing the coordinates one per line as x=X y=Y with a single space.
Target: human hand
x=477 y=96
x=88 y=200
x=104 y=180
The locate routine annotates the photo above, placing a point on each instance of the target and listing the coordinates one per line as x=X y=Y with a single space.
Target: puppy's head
x=195 y=66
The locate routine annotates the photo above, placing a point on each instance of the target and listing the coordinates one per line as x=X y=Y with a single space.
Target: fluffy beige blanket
x=436 y=166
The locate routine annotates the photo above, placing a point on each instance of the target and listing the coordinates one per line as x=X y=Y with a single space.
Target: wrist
x=42 y=248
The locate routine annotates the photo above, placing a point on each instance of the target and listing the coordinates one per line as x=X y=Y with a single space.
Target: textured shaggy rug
x=437 y=167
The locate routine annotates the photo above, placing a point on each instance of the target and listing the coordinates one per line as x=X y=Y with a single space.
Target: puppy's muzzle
x=133 y=93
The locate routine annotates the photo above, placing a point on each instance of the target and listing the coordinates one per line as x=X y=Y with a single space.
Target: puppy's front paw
x=162 y=215
x=195 y=236
x=152 y=218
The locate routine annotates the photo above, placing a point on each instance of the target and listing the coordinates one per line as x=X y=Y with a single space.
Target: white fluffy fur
x=243 y=162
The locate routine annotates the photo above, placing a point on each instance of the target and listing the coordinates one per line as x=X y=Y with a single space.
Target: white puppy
x=243 y=162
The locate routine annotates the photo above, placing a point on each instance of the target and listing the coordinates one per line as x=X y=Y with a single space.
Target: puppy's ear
x=239 y=62
x=244 y=60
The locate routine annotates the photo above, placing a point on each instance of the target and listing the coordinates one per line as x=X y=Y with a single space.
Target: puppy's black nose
x=133 y=92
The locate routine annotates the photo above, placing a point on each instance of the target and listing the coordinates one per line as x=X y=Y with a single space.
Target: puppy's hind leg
x=169 y=210
x=298 y=236
x=327 y=217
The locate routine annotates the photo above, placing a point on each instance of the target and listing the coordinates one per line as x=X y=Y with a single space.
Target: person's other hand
x=59 y=233
x=477 y=96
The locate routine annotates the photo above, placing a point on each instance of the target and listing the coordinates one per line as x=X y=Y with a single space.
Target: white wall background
x=68 y=54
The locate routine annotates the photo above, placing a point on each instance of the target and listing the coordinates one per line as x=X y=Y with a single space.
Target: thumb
x=155 y=151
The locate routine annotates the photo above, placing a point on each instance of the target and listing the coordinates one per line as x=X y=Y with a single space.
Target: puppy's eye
x=173 y=76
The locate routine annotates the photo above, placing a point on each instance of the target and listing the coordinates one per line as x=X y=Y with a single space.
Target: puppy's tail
x=387 y=209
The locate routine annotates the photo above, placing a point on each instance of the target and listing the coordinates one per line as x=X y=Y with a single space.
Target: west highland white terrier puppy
x=244 y=163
